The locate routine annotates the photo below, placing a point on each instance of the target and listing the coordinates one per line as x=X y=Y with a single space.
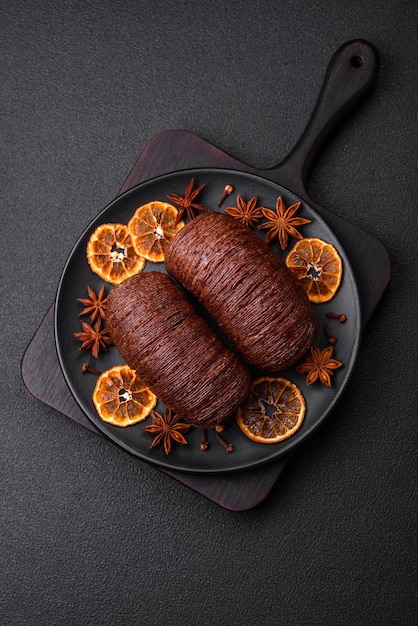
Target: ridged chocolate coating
x=175 y=352
x=246 y=287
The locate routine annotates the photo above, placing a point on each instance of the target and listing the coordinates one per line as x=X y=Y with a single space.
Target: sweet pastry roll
x=159 y=333
x=246 y=287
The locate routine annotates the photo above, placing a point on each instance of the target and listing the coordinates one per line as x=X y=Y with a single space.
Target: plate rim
x=165 y=463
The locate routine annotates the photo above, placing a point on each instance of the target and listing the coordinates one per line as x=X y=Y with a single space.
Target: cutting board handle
x=350 y=75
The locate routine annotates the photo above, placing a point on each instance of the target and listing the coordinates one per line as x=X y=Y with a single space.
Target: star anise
x=246 y=212
x=282 y=222
x=187 y=203
x=94 y=338
x=95 y=304
x=319 y=365
x=166 y=428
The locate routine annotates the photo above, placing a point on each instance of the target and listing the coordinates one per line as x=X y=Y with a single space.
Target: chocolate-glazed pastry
x=245 y=286
x=159 y=333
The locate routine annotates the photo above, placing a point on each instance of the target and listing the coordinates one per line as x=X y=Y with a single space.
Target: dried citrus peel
x=318 y=267
x=121 y=398
x=152 y=226
x=273 y=411
x=111 y=254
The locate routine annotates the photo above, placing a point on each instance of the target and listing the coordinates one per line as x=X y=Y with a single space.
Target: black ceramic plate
x=319 y=399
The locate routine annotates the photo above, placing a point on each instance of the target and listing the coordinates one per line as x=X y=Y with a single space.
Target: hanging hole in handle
x=357 y=61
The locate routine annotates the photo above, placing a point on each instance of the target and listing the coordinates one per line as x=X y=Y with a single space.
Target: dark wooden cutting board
x=350 y=75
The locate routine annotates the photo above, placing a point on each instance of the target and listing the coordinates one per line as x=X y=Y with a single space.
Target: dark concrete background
x=89 y=535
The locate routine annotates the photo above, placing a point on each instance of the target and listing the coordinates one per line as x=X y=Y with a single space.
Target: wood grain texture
x=350 y=75
x=43 y=378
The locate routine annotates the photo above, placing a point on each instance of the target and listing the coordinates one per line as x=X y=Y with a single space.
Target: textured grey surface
x=88 y=534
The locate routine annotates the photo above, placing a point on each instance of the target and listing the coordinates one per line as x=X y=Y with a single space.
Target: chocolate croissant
x=245 y=286
x=159 y=333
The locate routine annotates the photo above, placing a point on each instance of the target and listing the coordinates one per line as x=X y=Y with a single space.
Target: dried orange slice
x=121 y=398
x=318 y=266
x=151 y=227
x=273 y=411
x=111 y=254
